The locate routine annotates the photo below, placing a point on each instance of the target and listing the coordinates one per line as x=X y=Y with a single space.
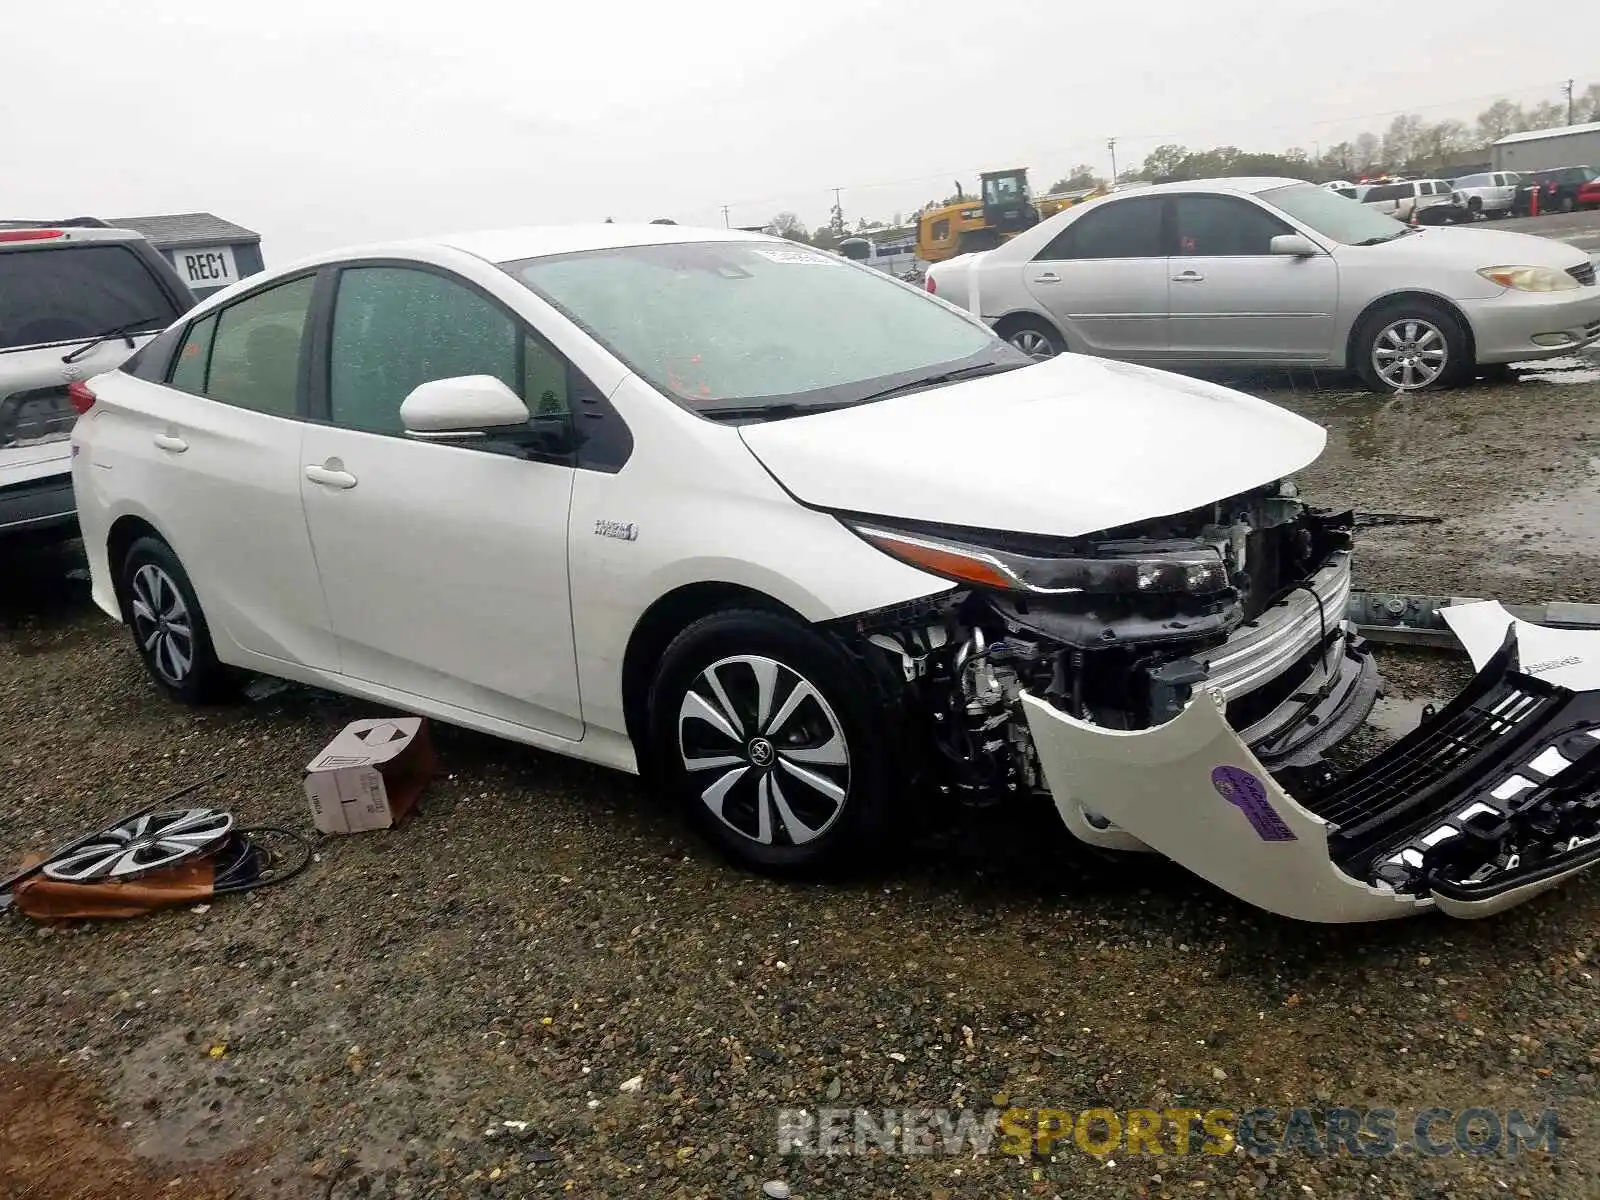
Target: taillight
x=30 y=235
x=81 y=397
x=931 y=285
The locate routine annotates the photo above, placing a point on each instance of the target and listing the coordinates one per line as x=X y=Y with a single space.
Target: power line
x=1084 y=151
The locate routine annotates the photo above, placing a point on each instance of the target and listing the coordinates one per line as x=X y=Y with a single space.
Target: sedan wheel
x=1411 y=346
x=169 y=630
x=779 y=740
x=771 y=765
x=1410 y=354
x=1033 y=343
x=162 y=625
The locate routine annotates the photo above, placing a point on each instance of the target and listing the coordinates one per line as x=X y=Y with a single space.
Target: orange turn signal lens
x=944 y=560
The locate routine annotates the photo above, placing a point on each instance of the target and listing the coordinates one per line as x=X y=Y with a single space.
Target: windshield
x=1332 y=215
x=716 y=325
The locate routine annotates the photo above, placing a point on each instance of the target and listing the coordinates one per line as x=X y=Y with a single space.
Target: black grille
x=1488 y=720
x=1583 y=274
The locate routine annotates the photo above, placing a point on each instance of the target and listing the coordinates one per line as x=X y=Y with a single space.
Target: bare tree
x=1499 y=119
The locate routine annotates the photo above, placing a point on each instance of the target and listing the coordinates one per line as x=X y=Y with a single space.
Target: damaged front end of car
x=1177 y=685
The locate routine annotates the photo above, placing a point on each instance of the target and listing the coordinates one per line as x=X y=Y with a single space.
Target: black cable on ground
x=243 y=864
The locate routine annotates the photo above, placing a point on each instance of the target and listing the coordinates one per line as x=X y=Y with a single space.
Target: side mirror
x=1294 y=244
x=466 y=406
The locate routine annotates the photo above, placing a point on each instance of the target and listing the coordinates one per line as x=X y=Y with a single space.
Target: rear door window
x=1121 y=229
x=74 y=293
x=255 y=353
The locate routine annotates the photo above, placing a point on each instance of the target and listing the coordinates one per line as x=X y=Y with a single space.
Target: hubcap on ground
x=763 y=750
x=162 y=625
x=1033 y=343
x=1410 y=354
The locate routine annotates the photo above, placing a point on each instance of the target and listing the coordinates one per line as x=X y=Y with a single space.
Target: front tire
x=169 y=630
x=776 y=739
x=1410 y=347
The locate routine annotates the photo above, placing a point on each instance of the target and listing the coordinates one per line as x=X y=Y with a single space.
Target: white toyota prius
x=801 y=542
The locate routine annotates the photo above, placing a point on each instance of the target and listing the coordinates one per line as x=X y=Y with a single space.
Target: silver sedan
x=1277 y=272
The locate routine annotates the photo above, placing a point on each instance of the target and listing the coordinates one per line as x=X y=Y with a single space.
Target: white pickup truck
x=1489 y=194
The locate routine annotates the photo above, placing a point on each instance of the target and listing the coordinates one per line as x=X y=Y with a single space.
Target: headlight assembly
x=1530 y=279
x=1107 y=569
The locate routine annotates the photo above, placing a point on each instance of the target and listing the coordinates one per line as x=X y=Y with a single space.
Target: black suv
x=77 y=298
x=1558 y=190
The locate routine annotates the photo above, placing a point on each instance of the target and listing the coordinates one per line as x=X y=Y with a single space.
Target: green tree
x=787 y=225
x=1080 y=177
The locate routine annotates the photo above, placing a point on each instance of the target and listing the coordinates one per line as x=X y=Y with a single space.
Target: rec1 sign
x=206 y=267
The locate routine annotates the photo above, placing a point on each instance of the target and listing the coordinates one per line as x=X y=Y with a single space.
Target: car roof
x=70 y=235
x=537 y=241
x=1238 y=184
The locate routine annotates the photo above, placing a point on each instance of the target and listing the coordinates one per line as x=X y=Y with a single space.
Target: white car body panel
x=1165 y=786
x=251 y=558
x=914 y=456
x=1569 y=658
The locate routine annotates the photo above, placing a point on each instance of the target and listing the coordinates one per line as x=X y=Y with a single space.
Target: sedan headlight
x=1107 y=569
x=1530 y=279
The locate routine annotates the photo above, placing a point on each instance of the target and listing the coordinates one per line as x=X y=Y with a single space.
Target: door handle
x=1047 y=277
x=330 y=477
x=170 y=443
x=1188 y=277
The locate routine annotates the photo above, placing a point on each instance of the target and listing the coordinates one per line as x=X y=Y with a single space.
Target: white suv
x=1414 y=198
x=76 y=299
x=1489 y=194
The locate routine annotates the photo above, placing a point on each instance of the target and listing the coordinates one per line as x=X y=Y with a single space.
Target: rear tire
x=169 y=630
x=1035 y=338
x=777 y=741
x=1412 y=345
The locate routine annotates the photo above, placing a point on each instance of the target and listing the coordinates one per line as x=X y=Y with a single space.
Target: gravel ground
x=543 y=944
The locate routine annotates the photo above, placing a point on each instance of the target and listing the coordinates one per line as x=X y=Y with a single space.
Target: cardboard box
x=369 y=777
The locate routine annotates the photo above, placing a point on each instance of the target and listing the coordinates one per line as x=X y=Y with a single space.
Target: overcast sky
x=324 y=122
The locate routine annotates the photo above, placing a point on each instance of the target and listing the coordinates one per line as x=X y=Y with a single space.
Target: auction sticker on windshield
x=800 y=257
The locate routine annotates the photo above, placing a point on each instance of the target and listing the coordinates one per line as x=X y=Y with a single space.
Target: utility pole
x=1568 y=90
x=725 y=216
x=1111 y=145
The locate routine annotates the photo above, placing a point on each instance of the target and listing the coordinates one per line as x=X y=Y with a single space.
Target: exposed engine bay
x=1119 y=628
x=1175 y=685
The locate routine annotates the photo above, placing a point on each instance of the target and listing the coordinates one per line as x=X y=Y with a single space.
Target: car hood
x=1453 y=246
x=1065 y=447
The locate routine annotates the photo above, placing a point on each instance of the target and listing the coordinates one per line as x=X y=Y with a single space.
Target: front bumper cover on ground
x=1487 y=803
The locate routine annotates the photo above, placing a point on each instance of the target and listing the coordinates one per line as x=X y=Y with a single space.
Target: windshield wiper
x=773 y=412
x=119 y=331
x=927 y=381
x=1389 y=237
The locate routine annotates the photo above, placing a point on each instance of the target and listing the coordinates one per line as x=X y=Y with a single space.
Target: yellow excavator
x=1003 y=208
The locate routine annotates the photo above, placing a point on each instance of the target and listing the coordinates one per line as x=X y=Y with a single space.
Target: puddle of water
x=1399 y=715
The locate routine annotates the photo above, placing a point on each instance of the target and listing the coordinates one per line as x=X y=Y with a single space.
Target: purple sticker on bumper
x=1249 y=795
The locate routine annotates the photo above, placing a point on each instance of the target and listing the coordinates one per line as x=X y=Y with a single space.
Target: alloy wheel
x=1033 y=343
x=1410 y=353
x=763 y=750
x=162 y=624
